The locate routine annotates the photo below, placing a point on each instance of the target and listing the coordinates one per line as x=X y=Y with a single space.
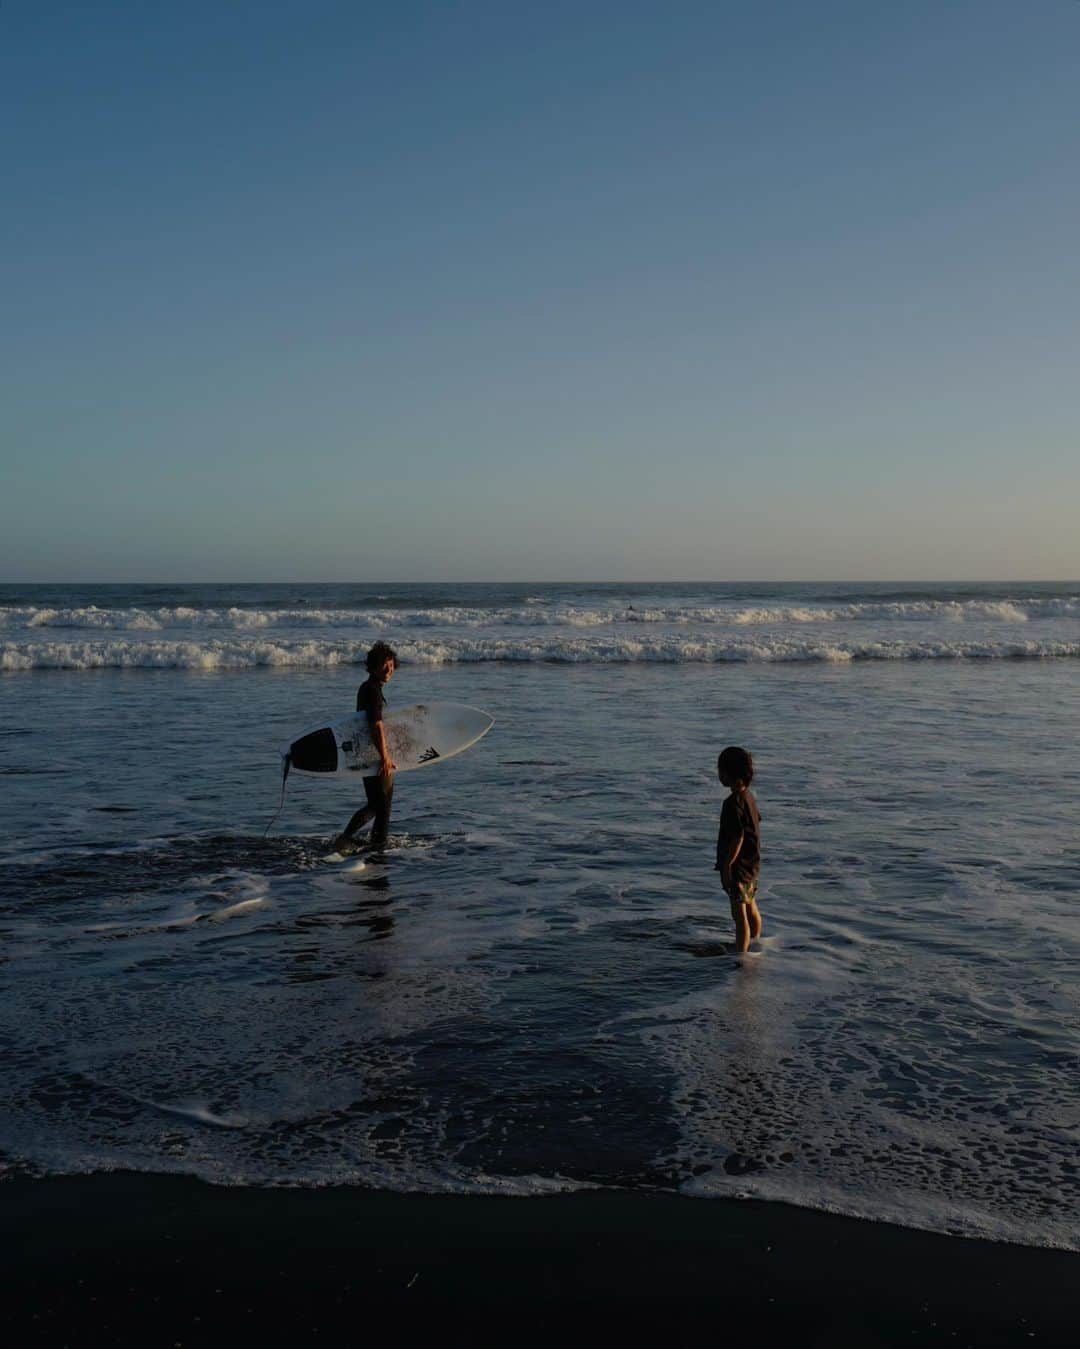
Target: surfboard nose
x=315 y=753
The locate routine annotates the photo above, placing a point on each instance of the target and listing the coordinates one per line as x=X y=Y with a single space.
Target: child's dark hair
x=737 y=764
x=379 y=654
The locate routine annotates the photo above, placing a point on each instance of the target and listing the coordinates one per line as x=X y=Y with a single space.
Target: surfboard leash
x=286 y=764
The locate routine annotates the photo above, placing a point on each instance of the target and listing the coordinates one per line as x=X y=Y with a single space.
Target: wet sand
x=162 y=1260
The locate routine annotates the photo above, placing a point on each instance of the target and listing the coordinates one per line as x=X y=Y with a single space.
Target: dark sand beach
x=149 y=1260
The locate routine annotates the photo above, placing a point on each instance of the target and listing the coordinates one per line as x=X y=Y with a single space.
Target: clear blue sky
x=590 y=290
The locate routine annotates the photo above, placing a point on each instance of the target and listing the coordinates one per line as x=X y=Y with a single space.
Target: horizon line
x=522 y=581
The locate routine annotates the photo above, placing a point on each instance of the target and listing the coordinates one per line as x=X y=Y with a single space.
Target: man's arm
x=370 y=702
x=378 y=736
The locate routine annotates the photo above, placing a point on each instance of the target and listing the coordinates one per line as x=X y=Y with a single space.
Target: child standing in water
x=738 y=844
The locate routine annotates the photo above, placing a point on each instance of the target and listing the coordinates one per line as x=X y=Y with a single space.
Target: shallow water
x=532 y=990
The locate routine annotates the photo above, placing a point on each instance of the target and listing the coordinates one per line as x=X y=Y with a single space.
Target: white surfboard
x=417 y=737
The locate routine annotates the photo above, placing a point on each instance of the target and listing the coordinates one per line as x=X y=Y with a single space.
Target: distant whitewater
x=234 y=628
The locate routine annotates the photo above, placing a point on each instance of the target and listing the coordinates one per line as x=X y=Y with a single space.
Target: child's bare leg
x=742 y=924
x=753 y=914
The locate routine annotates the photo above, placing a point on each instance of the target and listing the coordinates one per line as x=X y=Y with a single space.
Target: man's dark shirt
x=739 y=815
x=369 y=699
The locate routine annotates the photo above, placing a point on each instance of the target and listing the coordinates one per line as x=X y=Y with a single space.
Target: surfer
x=738 y=844
x=381 y=663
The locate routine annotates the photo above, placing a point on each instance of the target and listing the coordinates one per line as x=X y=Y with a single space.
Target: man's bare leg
x=344 y=840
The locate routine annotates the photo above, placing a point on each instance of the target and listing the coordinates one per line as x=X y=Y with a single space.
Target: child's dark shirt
x=739 y=815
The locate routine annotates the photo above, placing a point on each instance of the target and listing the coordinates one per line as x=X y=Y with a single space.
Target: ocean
x=531 y=992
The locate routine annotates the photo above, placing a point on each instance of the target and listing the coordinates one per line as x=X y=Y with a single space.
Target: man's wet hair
x=737 y=764
x=379 y=654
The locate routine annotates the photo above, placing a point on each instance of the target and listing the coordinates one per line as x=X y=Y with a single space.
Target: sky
x=562 y=291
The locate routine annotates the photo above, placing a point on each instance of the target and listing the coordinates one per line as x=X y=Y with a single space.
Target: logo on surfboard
x=428 y=755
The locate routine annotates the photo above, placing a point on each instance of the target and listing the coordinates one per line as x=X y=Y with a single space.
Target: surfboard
x=418 y=736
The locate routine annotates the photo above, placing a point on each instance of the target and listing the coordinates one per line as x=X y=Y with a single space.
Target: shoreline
x=132 y=1258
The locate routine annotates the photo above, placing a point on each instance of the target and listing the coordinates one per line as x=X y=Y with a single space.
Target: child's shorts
x=743 y=892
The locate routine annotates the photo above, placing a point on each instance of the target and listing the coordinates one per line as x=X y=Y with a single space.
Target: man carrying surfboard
x=381 y=663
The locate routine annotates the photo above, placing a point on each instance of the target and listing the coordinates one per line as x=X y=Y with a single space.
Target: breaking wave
x=236 y=619
x=230 y=628
x=241 y=653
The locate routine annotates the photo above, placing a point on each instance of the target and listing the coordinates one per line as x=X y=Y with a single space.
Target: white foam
x=936 y=1212
x=198 y=1111
x=234 y=910
x=531 y=614
x=160 y=655
x=195 y=1110
x=953 y=611
x=836 y=1095
x=239 y=654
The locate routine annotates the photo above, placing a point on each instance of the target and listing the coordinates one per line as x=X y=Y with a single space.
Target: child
x=738 y=844
x=381 y=663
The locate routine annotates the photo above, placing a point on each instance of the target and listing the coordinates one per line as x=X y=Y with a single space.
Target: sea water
x=532 y=990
